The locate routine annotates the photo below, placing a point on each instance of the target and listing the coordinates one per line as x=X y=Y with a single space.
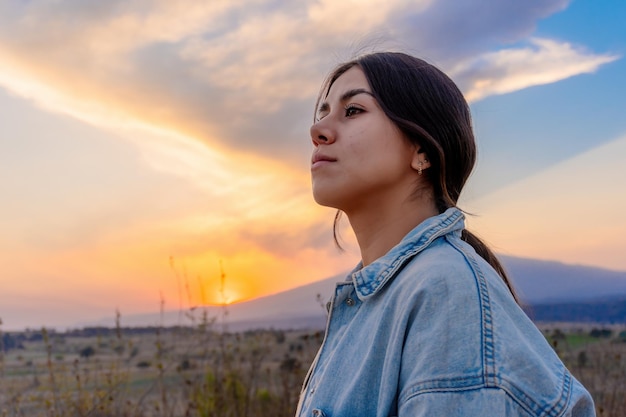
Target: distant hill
x=608 y=310
x=553 y=291
x=546 y=282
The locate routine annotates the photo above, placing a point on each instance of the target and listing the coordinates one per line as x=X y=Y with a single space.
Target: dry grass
x=182 y=371
x=596 y=355
x=199 y=370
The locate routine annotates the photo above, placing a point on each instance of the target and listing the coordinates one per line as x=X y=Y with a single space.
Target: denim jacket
x=430 y=329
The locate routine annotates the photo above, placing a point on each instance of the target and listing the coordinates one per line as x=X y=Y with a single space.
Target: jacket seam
x=488 y=342
x=555 y=409
x=451 y=385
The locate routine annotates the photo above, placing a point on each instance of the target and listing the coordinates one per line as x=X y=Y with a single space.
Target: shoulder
x=467 y=333
x=458 y=280
x=447 y=267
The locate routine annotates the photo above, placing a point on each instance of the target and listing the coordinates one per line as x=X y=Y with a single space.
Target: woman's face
x=360 y=157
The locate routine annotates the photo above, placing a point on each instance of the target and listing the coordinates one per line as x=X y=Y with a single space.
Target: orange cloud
x=219 y=95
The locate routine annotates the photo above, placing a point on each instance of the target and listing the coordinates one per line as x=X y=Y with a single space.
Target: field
x=198 y=370
x=204 y=370
x=596 y=355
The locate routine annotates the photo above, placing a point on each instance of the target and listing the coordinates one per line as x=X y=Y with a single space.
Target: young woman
x=427 y=324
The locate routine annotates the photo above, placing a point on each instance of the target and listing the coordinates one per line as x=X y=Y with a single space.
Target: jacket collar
x=370 y=279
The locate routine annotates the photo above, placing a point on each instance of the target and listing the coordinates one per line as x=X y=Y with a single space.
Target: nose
x=322 y=133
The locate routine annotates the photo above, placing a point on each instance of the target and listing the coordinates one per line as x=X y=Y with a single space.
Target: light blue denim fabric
x=430 y=329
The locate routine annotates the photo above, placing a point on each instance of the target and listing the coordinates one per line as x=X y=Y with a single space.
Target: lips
x=321 y=159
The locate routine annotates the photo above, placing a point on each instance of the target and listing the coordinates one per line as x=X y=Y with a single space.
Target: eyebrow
x=345 y=96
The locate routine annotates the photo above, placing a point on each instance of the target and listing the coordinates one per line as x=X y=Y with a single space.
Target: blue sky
x=136 y=132
x=547 y=124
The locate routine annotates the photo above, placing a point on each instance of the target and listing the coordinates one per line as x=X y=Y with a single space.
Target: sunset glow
x=150 y=148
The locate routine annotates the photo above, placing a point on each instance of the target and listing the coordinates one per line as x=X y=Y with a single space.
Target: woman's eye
x=352 y=111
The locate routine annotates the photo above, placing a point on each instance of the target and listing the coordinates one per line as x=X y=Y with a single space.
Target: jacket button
x=350 y=302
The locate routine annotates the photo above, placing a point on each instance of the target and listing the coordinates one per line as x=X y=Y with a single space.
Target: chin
x=326 y=199
x=323 y=201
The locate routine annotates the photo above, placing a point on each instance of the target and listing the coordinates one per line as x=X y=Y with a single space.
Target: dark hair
x=431 y=111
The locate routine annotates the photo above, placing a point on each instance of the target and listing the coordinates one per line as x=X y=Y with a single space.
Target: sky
x=155 y=154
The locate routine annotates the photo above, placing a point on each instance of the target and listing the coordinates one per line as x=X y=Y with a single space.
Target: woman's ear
x=420 y=161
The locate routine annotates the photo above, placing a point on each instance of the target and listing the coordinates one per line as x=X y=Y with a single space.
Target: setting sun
x=150 y=136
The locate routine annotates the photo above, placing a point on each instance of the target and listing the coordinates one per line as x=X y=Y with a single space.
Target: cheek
x=361 y=146
x=356 y=152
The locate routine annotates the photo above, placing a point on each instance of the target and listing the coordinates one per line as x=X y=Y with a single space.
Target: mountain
x=541 y=282
x=553 y=291
x=608 y=310
x=292 y=309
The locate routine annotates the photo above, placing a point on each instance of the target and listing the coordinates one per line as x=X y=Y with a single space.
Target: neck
x=382 y=226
